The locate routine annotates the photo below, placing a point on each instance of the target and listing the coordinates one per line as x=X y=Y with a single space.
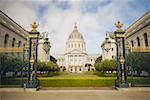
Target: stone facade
x=11 y=33
x=76 y=59
x=108 y=48
x=138 y=34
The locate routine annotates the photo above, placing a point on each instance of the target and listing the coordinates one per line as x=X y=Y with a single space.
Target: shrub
x=77 y=82
x=106 y=65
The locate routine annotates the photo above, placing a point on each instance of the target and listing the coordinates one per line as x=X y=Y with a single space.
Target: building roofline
x=13 y=21
x=138 y=20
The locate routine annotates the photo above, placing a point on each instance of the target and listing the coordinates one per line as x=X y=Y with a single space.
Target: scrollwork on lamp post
x=34 y=37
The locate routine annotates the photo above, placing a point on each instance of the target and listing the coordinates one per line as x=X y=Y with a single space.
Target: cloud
x=94 y=18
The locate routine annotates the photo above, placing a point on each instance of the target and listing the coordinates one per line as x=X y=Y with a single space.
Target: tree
x=9 y=64
x=41 y=66
x=52 y=66
x=106 y=65
x=98 y=60
x=98 y=63
x=139 y=62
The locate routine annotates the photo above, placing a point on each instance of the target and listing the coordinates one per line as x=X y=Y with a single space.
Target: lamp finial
x=34 y=26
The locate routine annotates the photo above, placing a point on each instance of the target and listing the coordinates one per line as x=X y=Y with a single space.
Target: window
x=79 y=45
x=71 y=45
x=19 y=44
x=138 y=41
x=112 y=56
x=6 y=40
x=71 y=69
x=146 y=40
x=13 y=42
x=132 y=43
x=112 y=49
x=80 y=69
x=24 y=44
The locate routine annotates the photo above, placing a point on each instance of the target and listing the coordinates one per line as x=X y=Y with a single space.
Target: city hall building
x=75 y=59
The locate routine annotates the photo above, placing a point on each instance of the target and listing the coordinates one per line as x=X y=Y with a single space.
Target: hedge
x=77 y=82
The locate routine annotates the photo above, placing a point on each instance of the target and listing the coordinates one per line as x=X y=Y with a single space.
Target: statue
x=119 y=25
x=34 y=26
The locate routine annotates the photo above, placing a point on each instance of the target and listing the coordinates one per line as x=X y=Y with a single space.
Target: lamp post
x=46 y=44
x=121 y=81
x=32 y=57
x=34 y=37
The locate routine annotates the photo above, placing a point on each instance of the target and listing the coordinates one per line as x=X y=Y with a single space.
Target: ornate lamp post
x=34 y=37
x=32 y=57
x=46 y=45
x=121 y=81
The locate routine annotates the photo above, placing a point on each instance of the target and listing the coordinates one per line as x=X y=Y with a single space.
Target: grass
x=76 y=80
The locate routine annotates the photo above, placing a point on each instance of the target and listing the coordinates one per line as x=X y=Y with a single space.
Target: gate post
x=121 y=81
x=32 y=56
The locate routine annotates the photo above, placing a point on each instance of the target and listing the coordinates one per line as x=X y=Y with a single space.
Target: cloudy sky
x=93 y=17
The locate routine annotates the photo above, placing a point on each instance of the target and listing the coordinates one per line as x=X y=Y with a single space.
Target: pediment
x=76 y=51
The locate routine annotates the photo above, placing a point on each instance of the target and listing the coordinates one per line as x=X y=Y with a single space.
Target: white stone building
x=11 y=34
x=75 y=58
x=108 y=48
x=138 y=34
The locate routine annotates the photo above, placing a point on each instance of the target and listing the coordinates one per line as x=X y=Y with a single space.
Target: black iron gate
x=13 y=68
x=139 y=68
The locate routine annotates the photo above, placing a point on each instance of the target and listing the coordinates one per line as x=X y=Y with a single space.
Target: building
x=75 y=58
x=11 y=34
x=138 y=34
x=42 y=55
x=108 y=48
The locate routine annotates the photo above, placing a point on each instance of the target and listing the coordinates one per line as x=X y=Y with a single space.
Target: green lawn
x=76 y=80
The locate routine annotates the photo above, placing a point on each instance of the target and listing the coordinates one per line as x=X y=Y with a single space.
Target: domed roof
x=108 y=39
x=75 y=34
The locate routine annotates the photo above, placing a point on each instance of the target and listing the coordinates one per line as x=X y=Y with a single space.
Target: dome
x=75 y=41
x=108 y=39
x=75 y=34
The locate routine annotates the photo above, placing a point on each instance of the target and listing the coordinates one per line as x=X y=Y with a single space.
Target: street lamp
x=46 y=45
x=32 y=49
x=121 y=81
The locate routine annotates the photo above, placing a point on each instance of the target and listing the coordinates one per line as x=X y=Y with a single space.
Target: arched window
x=72 y=45
x=6 y=40
x=19 y=44
x=146 y=40
x=24 y=44
x=79 y=45
x=13 y=42
x=132 y=43
x=138 y=41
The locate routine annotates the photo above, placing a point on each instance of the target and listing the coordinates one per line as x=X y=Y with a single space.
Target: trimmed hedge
x=77 y=82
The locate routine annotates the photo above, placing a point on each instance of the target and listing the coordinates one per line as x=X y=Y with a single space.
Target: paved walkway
x=123 y=94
